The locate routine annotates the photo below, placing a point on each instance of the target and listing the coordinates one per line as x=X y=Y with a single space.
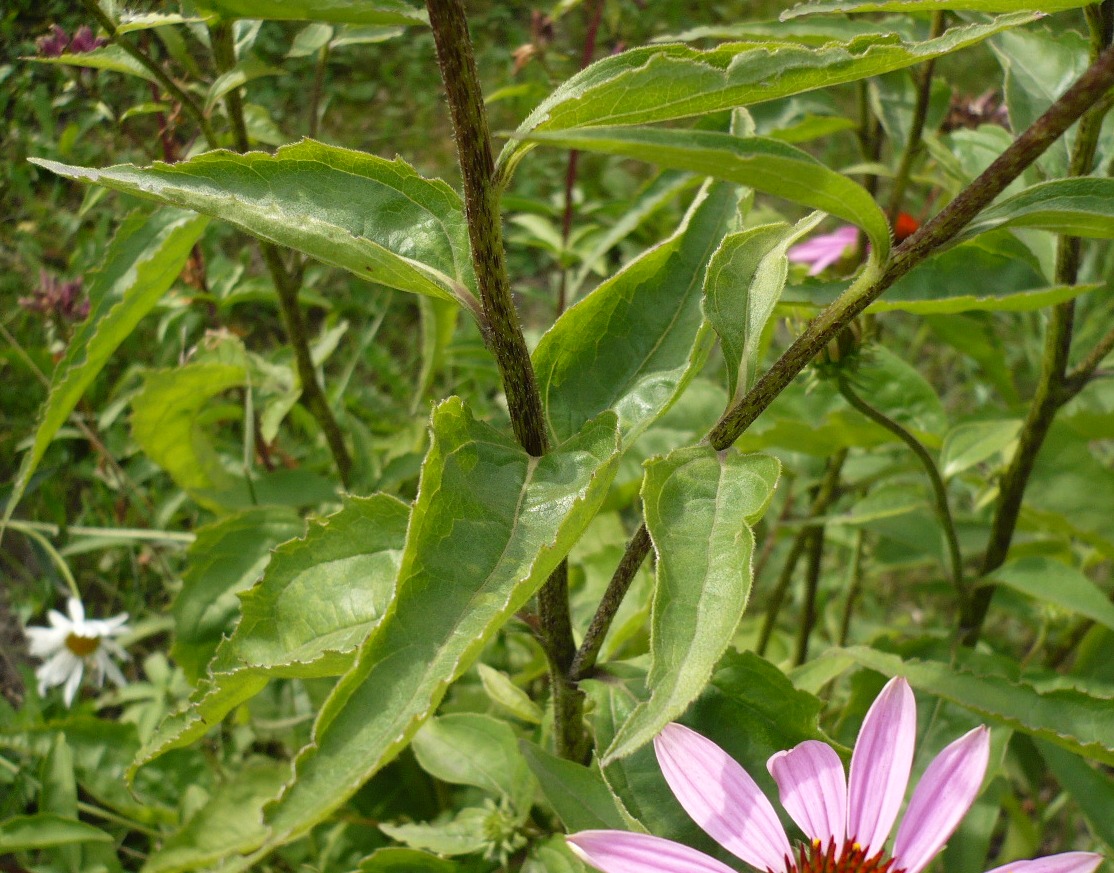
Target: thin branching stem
x=287 y=282
x=823 y=496
x=1088 y=90
x=913 y=143
x=187 y=102
x=939 y=489
x=1055 y=386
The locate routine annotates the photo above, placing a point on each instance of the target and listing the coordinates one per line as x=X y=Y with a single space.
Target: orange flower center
x=83 y=647
x=818 y=858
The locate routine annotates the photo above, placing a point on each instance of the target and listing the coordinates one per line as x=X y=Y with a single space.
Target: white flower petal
x=72 y=684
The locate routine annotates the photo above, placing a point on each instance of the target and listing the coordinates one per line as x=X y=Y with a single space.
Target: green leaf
x=743 y=284
x=849 y=6
x=972 y=443
x=227 y=825
x=167 y=425
x=467 y=748
x=653 y=196
x=245 y=71
x=1054 y=582
x=663 y=83
x=1067 y=717
x=1082 y=206
x=227 y=557
x=636 y=781
x=489 y=525
x=376 y=218
x=635 y=342
x=25 y=832
x=142 y=262
x=698 y=504
x=898 y=389
x=463 y=834
x=1089 y=787
x=318 y=599
x=552 y=856
x=1040 y=64
x=578 y=794
x=110 y=57
x=752 y=710
x=129 y=22
x=765 y=164
x=943 y=283
x=336 y=11
x=398 y=860
x=508 y=696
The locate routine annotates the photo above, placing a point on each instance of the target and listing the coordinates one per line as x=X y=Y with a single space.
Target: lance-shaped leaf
x=1082 y=206
x=1067 y=717
x=663 y=83
x=228 y=824
x=45 y=830
x=578 y=794
x=489 y=524
x=843 y=6
x=699 y=505
x=227 y=557
x=468 y=748
x=376 y=218
x=767 y=165
x=635 y=342
x=335 y=11
x=743 y=285
x=1054 y=582
x=109 y=57
x=318 y=599
x=142 y=262
x=167 y=424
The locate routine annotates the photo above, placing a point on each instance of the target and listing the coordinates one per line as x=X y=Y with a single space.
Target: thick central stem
x=502 y=331
x=503 y=336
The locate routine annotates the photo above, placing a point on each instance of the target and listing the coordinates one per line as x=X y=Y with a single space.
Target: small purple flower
x=53 y=44
x=824 y=250
x=847 y=821
x=55 y=297
x=84 y=41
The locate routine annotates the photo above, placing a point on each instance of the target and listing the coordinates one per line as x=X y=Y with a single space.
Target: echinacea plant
x=75 y=642
x=846 y=820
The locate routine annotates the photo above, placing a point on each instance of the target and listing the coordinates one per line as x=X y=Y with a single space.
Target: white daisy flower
x=71 y=644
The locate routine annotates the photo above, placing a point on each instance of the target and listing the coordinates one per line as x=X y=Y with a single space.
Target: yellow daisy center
x=83 y=647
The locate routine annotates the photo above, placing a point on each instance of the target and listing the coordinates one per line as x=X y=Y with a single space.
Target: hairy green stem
x=503 y=335
x=854 y=586
x=1054 y=387
x=939 y=490
x=815 y=555
x=781 y=588
x=1088 y=90
x=188 y=103
x=287 y=282
x=313 y=398
x=589 y=650
x=913 y=143
x=223 y=44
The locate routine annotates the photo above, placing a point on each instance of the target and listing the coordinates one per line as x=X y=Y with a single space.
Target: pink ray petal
x=722 y=798
x=623 y=852
x=1067 y=862
x=813 y=789
x=946 y=791
x=880 y=765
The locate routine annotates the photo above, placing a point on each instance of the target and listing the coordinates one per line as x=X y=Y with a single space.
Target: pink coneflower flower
x=847 y=821
x=824 y=250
